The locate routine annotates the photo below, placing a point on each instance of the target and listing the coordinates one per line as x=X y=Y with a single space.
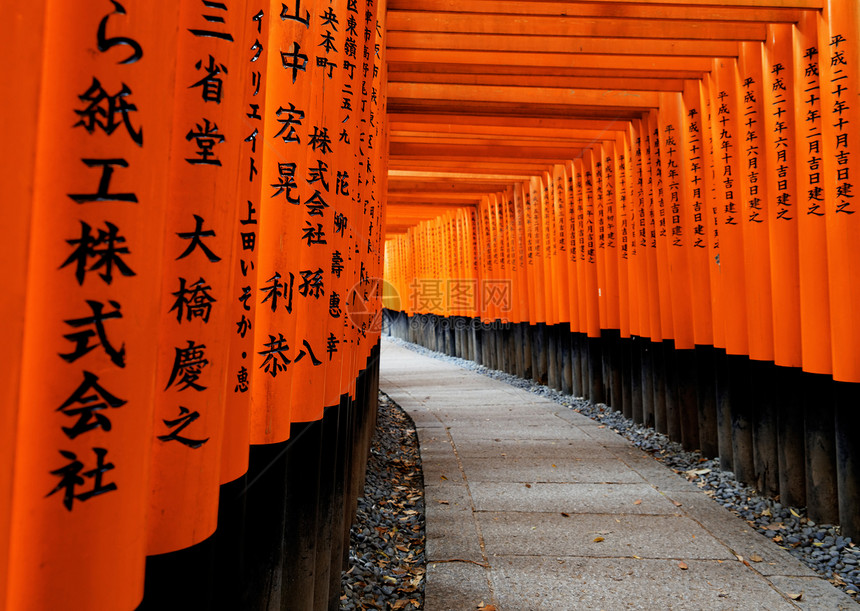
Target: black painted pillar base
x=848 y=456
x=265 y=510
x=647 y=371
x=553 y=375
x=819 y=417
x=687 y=398
x=724 y=410
x=527 y=350
x=194 y=564
x=539 y=358
x=614 y=385
x=596 y=389
x=230 y=543
x=740 y=395
x=791 y=446
x=706 y=401
x=564 y=346
x=658 y=370
x=301 y=516
x=765 y=438
x=635 y=375
x=625 y=348
x=673 y=408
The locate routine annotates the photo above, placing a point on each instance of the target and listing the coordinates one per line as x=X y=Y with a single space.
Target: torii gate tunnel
x=649 y=203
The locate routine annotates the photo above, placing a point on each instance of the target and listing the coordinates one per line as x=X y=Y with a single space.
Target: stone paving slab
x=597 y=536
x=551 y=469
x=502 y=465
x=539 y=583
x=570 y=498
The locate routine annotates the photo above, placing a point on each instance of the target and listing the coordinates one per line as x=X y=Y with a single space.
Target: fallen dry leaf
x=528 y=485
x=797 y=596
x=676 y=503
x=795 y=514
x=566 y=515
x=637 y=502
x=756 y=558
x=442 y=477
x=443 y=502
x=683 y=566
x=399 y=604
x=598 y=539
x=775 y=526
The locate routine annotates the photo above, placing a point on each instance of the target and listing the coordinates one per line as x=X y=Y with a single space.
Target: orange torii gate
x=195 y=203
x=673 y=224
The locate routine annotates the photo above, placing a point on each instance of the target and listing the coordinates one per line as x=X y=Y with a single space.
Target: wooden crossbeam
x=543 y=25
x=572 y=45
x=763 y=12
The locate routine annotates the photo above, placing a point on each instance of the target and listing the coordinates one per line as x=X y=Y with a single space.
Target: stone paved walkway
x=533 y=506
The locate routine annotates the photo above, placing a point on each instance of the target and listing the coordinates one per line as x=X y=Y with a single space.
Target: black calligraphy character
x=81 y=339
x=205 y=138
x=104 y=43
x=323 y=62
x=86 y=403
x=331 y=344
x=213 y=19
x=350 y=47
x=185 y=418
x=273 y=291
x=193 y=301
x=285 y=14
x=251 y=212
x=274 y=350
x=241 y=380
x=314 y=361
x=318 y=173
x=102 y=110
x=316 y=204
x=329 y=19
x=244 y=326
x=249 y=240
x=320 y=140
x=195 y=237
x=295 y=61
x=289 y=123
x=278 y=289
x=312 y=283
x=188 y=363
x=336 y=263
x=103 y=193
x=313 y=235
x=103 y=248
x=257 y=48
x=334 y=305
x=244 y=266
x=340 y=223
x=286 y=183
x=344 y=137
x=210 y=85
x=70 y=477
x=252 y=138
x=245 y=297
x=259 y=19
x=327 y=42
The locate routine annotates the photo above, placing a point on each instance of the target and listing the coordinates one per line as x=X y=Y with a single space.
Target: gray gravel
x=386 y=555
x=819 y=546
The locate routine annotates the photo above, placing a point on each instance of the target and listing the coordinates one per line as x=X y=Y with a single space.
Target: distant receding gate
x=654 y=202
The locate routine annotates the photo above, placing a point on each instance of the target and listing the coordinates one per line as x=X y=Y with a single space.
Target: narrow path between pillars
x=533 y=506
